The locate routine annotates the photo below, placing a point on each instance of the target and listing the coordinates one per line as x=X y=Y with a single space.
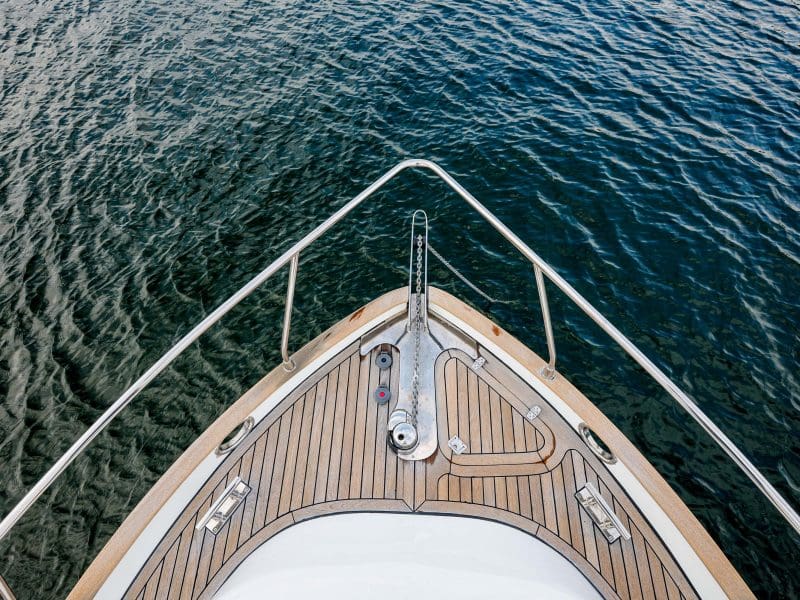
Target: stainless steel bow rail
x=291 y=256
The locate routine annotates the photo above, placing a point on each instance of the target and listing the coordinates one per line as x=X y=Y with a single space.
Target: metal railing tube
x=766 y=488
x=549 y=370
x=5 y=590
x=162 y=363
x=98 y=426
x=288 y=363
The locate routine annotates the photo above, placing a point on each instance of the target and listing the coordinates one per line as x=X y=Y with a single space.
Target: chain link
x=417 y=333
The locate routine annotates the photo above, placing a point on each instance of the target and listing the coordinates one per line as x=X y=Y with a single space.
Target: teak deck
x=322 y=450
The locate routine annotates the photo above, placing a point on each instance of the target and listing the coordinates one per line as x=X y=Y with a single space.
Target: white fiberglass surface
x=396 y=556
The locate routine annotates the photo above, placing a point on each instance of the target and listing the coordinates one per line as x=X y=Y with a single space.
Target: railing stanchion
x=549 y=370
x=288 y=363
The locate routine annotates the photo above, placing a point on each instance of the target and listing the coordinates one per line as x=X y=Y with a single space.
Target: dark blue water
x=154 y=155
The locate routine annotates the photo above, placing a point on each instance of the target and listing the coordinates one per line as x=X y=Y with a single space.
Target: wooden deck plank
x=211 y=557
x=278 y=468
x=463 y=404
x=500 y=493
x=621 y=577
x=524 y=487
x=348 y=436
x=255 y=507
x=532 y=442
x=559 y=495
x=512 y=494
x=379 y=477
x=672 y=589
x=464 y=424
x=284 y=502
x=454 y=489
x=476 y=489
x=167 y=570
x=392 y=487
x=642 y=564
x=360 y=427
x=507 y=426
x=309 y=469
x=420 y=481
x=486 y=421
x=474 y=412
x=380 y=446
x=151 y=589
x=489 y=496
x=451 y=397
x=656 y=574
x=254 y=481
x=537 y=499
x=496 y=422
x=184 y=545
x=303 y=448
x=328 y=426
x=572 y=507
x=629 y=557
x=368 y=473
x=519 y=432
x=407 y=480
x=549 y=501
x=332 y=486
x=586 y=524
x=444 y=487
x=267 y=475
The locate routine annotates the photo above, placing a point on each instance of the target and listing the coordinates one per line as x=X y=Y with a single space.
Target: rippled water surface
x=154 y=155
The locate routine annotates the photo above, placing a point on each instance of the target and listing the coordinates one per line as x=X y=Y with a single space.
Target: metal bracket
x=534 y=412
x=457 y=445
x=5 y=590
x=436 y=338
x=478 y=364
x=429 y=350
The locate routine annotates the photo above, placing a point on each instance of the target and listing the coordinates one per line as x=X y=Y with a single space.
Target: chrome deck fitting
x=601 y=513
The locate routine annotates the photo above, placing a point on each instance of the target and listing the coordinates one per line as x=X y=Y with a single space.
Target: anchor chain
x=417 y=333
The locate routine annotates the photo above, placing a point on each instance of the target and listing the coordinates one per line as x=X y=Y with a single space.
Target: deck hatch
x=600 y=512
x=225 y=506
